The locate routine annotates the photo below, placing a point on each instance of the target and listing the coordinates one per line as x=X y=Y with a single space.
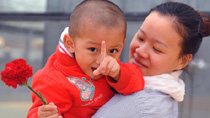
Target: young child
x=78 y=76
x=165 y=43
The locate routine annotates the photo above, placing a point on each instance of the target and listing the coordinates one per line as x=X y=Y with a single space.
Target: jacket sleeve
x=52 y=91
x=130 y=81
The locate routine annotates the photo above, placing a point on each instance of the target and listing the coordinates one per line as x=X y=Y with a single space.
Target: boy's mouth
x=96 y=76
x=93 y=68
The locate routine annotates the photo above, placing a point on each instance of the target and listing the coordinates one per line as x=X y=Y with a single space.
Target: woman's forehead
x=161 y=29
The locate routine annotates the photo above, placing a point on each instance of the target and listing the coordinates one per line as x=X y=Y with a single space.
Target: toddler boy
x=79 y=76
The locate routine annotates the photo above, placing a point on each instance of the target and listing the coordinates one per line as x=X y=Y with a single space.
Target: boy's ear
x=69 y=43
x=184 y=61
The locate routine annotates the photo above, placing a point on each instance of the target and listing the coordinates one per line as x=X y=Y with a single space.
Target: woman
x=164 y=45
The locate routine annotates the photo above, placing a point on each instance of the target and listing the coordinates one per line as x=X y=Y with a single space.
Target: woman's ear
x=69 y=43
x=185 y=59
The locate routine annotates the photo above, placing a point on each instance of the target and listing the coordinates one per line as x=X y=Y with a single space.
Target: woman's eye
x=140 y=39
x=113 y=51
x=157 y=50
x=93 y=49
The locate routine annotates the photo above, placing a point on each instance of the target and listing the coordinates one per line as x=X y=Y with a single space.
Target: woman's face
x=156 y=46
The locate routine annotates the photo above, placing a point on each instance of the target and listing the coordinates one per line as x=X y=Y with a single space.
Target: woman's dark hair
x=189 y=23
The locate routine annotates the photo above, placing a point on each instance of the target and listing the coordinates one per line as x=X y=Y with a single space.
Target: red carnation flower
x=16 y=73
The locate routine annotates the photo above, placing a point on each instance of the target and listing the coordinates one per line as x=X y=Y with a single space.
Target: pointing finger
x=103 y=50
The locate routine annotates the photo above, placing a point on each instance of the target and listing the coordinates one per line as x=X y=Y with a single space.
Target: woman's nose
x=143 y=51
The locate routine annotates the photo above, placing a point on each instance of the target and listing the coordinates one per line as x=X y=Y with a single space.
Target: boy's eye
x=93 y=49
x=113 y=51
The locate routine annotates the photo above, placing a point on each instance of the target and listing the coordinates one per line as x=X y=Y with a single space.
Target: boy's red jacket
x=75 y=94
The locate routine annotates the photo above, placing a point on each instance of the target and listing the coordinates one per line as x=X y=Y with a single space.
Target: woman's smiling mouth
x=138 y=63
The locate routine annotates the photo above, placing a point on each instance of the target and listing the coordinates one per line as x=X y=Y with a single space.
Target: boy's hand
x=108 y=65
x=48 y=111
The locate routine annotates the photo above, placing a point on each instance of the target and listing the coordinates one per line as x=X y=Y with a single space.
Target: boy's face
x=87 y=47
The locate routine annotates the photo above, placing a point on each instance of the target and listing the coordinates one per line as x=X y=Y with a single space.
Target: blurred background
x=30 y=29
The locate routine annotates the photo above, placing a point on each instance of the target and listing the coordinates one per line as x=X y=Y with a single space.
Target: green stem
x=39 y=95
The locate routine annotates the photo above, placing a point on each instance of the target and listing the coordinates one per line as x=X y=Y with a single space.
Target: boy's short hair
x=100 y=12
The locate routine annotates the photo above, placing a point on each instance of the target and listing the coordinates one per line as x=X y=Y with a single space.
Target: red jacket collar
x=65 y=59
x=67 y=64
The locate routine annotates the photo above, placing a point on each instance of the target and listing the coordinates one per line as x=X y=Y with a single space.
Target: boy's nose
x=98 y=59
